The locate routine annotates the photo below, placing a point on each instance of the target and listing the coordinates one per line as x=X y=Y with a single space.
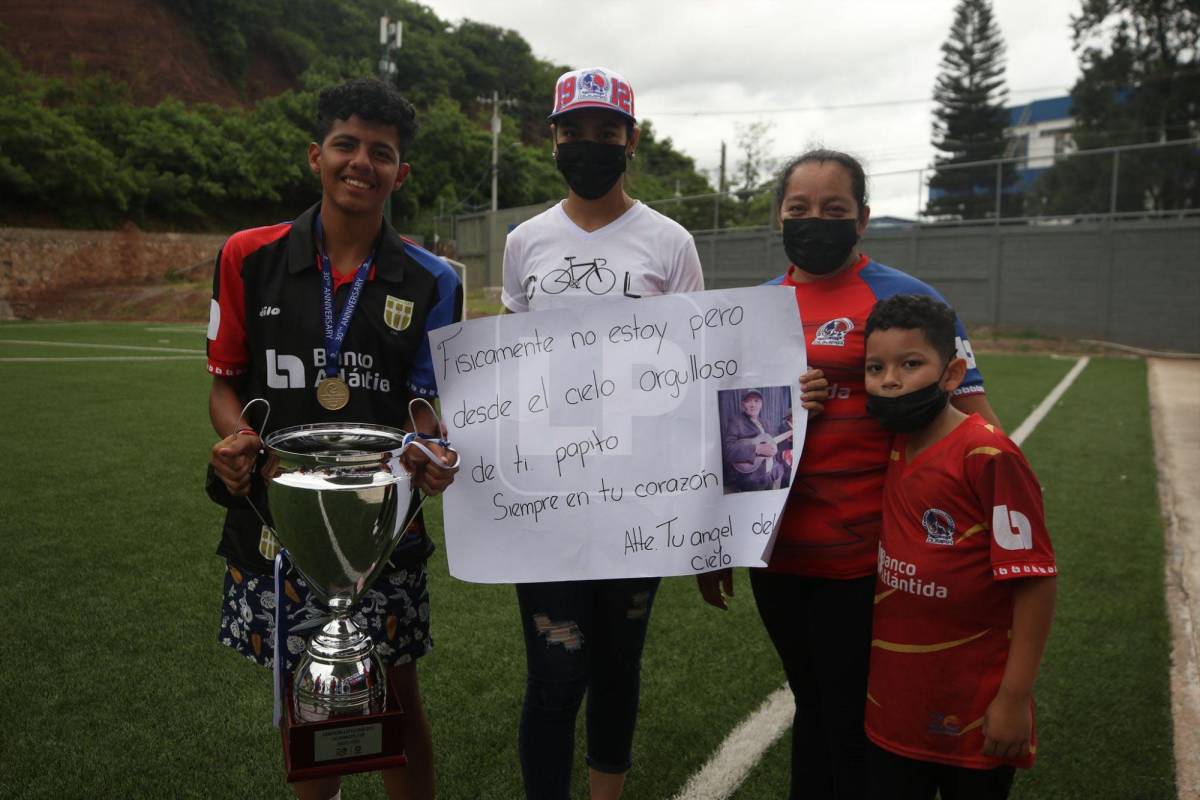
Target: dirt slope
x=138 y=41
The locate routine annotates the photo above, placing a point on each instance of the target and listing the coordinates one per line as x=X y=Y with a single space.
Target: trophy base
x=342 y=745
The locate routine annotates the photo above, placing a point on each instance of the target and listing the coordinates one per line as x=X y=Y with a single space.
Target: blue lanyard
x=335 y=336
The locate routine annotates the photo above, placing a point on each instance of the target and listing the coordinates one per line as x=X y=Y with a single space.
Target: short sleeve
x=512 y=294
x=972 y=382
x=687 y=275
x=1011 y=498
x=228 y=354
x=446 y=310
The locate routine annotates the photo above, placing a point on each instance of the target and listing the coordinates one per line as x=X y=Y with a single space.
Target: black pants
x=895 y=777
x=821 y=629
x=581 y=637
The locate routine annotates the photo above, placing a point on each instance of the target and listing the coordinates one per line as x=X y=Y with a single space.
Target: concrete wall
x=36 y=264
x=1136 y=282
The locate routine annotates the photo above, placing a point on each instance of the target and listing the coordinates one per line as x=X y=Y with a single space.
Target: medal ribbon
x=334 y=336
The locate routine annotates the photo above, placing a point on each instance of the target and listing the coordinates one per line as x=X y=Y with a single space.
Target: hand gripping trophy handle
x=341 y=498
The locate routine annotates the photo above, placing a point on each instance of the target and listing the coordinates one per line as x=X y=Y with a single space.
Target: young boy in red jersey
x=966 y=575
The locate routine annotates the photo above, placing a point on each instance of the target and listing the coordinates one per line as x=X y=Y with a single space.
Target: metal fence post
x=999 y=182
x=920 y=188
x=1112 y=194
x=712 y=248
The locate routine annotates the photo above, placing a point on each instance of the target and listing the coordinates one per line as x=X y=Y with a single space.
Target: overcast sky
x=761 y=55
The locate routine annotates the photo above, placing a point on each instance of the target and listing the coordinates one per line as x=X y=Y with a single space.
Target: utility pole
x=389 y=42
x=495 y=103
x=722 y=186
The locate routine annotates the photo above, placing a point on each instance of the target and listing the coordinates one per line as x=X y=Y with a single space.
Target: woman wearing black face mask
x=586 y=637
x=816 y=595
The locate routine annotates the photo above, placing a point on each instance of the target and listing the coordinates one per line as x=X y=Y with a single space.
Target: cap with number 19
x=593 y=87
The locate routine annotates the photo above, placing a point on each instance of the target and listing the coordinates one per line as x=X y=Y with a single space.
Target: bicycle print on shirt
x=590 y=276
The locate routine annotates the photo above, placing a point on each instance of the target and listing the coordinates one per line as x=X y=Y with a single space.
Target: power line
x=830 y=106
x=1133 y=83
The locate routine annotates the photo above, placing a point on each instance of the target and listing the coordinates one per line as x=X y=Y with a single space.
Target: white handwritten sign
x=622 y=437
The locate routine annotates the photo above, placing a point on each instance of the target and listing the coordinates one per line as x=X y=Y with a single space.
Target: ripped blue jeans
x=581 y=637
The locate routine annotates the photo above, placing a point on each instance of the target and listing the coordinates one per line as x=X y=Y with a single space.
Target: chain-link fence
x=1156 y=179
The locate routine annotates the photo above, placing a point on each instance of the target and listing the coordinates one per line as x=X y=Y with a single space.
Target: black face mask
x=908 y=413
x=819 y=246
x=591 y=168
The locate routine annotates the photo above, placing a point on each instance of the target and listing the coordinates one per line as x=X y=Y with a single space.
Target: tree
x=970 y=117
x=1139 y=82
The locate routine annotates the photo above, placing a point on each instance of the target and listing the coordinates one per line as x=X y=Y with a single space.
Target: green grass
x=483 y=304
x=117 y=686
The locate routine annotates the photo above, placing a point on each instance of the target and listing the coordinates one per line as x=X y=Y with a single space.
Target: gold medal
x=333 y=394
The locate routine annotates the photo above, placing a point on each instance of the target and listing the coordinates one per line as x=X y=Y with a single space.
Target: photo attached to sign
x=756 y=438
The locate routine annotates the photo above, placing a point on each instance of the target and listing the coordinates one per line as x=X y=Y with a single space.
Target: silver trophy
x=340 y=500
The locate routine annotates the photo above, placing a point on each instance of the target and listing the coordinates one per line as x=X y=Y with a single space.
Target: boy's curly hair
x=917 y=312
x=372 y=100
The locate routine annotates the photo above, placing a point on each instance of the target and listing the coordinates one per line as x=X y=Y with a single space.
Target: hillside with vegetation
x=195 y=114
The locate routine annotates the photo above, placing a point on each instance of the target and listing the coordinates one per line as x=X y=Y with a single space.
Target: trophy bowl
x=340 y=501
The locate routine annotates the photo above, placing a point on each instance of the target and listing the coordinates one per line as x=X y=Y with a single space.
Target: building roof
x=1040 y=111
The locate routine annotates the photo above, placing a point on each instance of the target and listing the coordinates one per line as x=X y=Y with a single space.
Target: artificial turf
x=117 y=686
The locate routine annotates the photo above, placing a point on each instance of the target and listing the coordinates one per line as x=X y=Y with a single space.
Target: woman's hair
x=858 y=178
x=371 y=100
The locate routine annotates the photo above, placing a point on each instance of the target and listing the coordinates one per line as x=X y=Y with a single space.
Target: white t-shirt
x=548 y=259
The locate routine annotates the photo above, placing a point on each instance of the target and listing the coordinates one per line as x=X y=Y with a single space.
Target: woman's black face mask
x=591 y=168
x=819 y=246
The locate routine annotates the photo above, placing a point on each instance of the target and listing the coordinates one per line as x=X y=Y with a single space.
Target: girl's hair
x=858 y=178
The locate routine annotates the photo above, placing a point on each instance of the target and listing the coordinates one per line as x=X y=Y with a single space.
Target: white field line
x=94 y=359
x=1025 y=428
x=745 y=745
x=742 y=749
x=88 y=345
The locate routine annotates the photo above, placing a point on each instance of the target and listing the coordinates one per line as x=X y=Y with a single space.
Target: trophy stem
x=340 y=674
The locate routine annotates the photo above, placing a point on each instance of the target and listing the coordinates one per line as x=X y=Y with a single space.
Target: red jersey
x=830 y=525
x=959 y=522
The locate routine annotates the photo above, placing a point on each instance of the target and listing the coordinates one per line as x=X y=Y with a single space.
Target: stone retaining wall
x=38 y=264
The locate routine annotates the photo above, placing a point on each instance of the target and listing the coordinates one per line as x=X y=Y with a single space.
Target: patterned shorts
x=395 y=612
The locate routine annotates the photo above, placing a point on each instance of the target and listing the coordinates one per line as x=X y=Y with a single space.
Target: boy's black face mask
x=909 y=413
x=591 y=168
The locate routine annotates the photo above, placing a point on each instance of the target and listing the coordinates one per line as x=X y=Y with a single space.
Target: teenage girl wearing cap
x=817 y=593
x=586 y=637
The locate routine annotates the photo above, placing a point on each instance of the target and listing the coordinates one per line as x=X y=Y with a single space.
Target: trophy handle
x=242 y=421
x=414 y=439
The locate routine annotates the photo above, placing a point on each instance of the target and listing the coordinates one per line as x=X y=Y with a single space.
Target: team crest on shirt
x=938 y=525
x=834 y=332
x=945 y=724
x=592 y=85
x=397 y=313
